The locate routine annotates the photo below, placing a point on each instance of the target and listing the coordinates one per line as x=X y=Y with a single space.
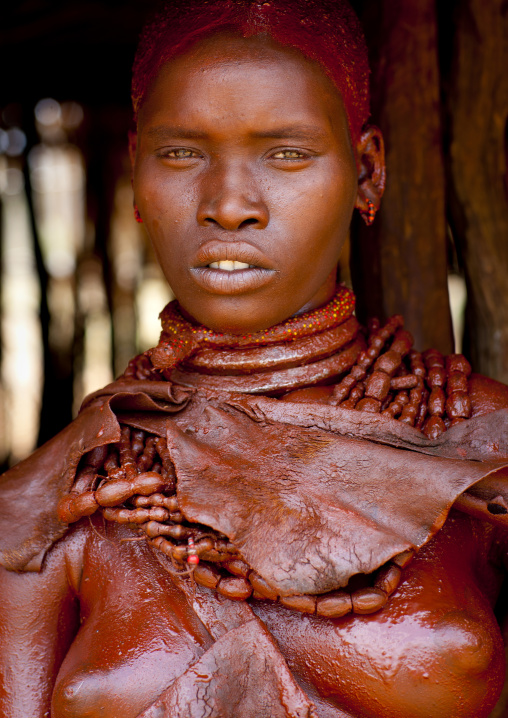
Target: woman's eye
x=179 y=153
x=288 y=155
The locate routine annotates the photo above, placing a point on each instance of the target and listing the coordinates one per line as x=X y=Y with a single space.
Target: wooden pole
x=478 y=112
x=399 y=264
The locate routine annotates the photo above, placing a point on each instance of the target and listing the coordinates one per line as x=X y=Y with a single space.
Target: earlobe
x=370 y=154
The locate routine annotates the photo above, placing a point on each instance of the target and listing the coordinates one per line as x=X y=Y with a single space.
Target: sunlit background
x=65 y=302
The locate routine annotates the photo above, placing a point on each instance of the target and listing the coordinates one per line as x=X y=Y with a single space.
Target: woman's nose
x=232 y=199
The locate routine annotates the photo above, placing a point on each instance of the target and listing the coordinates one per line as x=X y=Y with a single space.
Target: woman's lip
x=230 y=265
x=219 y=250
x=220 y=281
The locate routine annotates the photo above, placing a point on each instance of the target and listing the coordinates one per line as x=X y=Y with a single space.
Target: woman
x=228 y=529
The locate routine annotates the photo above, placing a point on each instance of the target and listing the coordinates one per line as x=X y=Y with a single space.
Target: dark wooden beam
x=477 y=164
x=399 y=264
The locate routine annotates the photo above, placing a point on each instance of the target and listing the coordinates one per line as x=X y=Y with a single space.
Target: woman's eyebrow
x=164 y=133
x=296 y=132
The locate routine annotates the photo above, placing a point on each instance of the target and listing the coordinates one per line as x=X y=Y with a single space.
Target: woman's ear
x=370 y=152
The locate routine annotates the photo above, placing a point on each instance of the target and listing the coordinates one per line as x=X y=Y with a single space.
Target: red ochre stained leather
x=315 y=491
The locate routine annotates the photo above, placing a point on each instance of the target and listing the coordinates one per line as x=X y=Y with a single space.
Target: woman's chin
x=233 y=321
x=254 y=311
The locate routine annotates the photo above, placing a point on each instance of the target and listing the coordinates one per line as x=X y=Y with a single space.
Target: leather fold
x=310 y=494
x=242 y=674
x=308 y=508
x=31 y=490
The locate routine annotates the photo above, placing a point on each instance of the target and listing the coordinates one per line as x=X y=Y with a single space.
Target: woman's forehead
x=237 y=47
x=326 y=31
x=227 y=75
x=260 y=53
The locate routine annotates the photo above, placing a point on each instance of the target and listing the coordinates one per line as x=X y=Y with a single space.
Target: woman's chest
x=137 y=633
x=436 y=638
x=435 y=649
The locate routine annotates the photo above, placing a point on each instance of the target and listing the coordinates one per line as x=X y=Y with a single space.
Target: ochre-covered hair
x=326 y=31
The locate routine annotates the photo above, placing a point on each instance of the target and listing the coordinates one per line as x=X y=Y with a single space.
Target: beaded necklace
x=428 y=391
x=180 y=338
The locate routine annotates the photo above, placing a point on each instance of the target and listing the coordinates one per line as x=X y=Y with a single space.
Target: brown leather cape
x=310 y=494
x=332 y=491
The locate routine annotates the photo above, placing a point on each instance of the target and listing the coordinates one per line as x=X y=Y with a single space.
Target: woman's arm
x=38 y=620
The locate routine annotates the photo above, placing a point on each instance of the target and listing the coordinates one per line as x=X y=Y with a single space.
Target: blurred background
x=80 y=290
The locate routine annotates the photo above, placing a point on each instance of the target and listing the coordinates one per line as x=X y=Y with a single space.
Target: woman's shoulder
x=487 y=395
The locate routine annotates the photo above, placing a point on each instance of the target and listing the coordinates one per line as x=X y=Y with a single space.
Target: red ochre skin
x=435 y=649
x=102 y=630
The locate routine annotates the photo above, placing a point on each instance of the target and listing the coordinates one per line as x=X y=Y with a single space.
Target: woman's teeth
x=229 y=265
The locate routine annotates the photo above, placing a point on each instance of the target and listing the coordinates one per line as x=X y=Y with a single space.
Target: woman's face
x=245 y=178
